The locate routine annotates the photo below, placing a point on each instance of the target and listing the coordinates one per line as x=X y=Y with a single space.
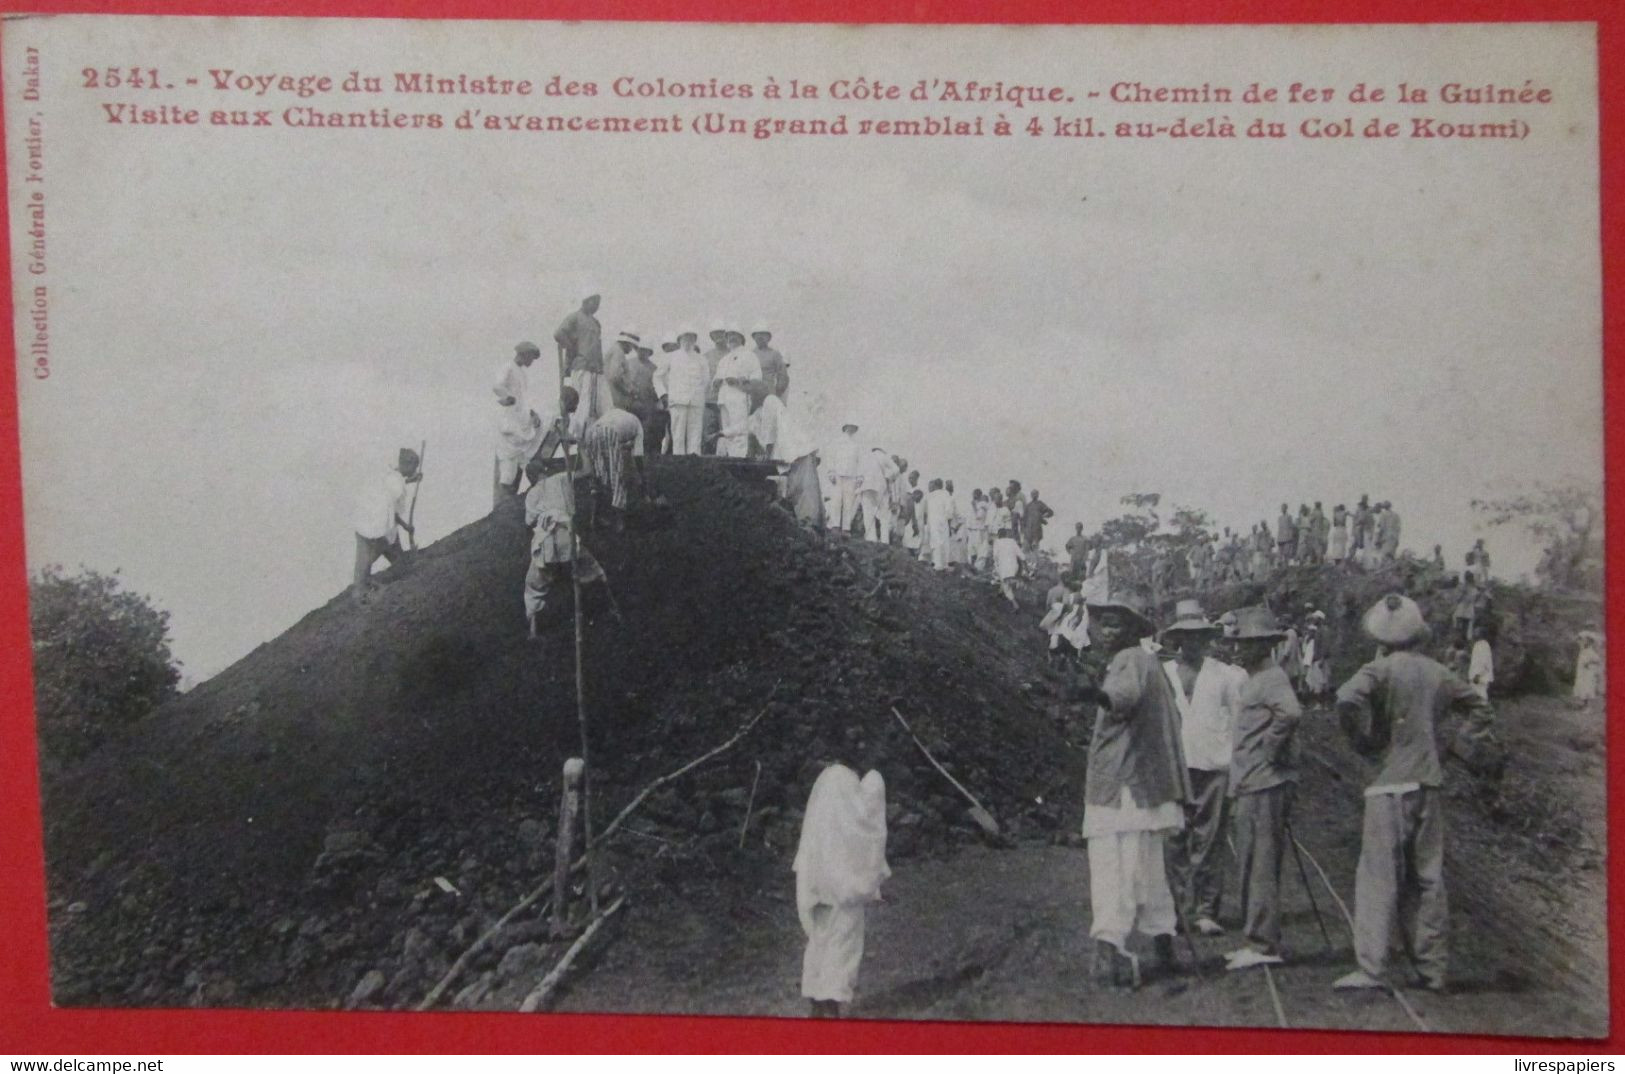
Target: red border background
x=28 y=1023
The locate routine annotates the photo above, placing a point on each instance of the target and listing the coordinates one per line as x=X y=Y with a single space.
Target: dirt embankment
x=335 y=818
x=276 y=833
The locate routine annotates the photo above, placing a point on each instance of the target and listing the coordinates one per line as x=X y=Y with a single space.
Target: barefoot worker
x=581 y=338
x=1263 y=775
x=1205 y=691
x=380 y=511
x=840 y=864
x=1390 y=710
x=1136 y=792
x=611 y=446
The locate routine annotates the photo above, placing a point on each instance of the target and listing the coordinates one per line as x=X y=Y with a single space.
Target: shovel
x=978 y=813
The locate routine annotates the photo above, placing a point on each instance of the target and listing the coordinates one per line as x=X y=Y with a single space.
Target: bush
x=101 y=659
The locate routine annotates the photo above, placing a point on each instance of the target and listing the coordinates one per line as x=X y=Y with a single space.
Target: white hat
x=761 y=328
x=687 y=330
x=850 y=421
x=719 y=325
x=629 y=335
x=1395 y=620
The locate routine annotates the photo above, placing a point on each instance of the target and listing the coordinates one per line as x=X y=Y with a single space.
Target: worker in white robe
x=843 y=465
x=840 y=864
x=874 y=494
x=1588 y=668
x=736 y=373
x=520 y=426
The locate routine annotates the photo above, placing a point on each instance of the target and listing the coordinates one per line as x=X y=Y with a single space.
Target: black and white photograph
x=1045 y=524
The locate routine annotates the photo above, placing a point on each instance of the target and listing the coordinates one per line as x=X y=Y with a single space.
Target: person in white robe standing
x=843 y=462
x=736 y=373
x=874 y=494
x=840 y=864
x=940 y=514
x=1588 y=668
x=1481 y=665
x=519 y=427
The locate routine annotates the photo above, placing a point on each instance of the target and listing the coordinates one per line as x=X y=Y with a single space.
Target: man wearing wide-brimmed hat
x=1263 y=774
x=1137 y=789
x=1205 y=692
x=1390 y=709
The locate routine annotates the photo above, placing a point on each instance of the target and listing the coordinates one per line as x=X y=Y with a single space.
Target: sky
x=246 y=324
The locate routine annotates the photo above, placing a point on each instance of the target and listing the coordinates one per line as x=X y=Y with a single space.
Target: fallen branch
x=978 y=812
x=749 y=802
x=549 y=984
x=580 y=863
x=744 y=730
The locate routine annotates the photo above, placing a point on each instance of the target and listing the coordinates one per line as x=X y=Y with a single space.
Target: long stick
x=544 y=990
x=959 y=786
x=581 y=693
x=1275 y=998
x=749 y=802
x=1303 y=874
x=412 y=511
x=474 y=948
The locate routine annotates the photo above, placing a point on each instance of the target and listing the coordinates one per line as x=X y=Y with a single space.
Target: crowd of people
x=1195 y=734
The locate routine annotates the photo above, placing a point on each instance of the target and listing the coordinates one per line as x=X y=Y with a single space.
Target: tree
x=1567 y=520
x=101 y=658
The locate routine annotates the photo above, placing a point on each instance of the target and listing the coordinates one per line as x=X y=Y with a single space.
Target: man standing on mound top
x=1263 y=776
x=1135 y=796
x=1390 y=711
x=380 y=512
x=519 y=428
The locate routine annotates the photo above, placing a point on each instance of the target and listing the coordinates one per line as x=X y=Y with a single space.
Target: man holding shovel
x=1136 y=793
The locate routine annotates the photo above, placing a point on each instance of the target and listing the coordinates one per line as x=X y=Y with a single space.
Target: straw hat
x=1257 y=622
x=629 y=335
x=1126 y=602
x=1395 y=620
x=1188 y=618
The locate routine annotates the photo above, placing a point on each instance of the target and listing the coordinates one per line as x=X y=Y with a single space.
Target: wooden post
x=569 y=807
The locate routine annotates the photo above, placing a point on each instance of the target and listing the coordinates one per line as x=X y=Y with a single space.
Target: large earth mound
x=275 y=835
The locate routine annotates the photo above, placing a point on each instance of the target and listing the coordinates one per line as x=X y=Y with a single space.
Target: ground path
x=1002 y=934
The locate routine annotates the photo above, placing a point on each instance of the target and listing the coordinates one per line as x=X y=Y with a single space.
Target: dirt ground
x=333 y=820
x=991 y=934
